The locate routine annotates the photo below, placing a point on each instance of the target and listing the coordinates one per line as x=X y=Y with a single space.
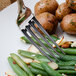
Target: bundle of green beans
x=22 y=69
x=24 y=39
x=70 y=51
x=15 y=58
x=62 y=65
x=16 y=68
x=66 y=65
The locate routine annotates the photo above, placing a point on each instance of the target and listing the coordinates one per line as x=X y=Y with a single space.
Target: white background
x=10 y=34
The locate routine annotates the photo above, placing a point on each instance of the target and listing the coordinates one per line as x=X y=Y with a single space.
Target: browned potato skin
x=46 y=6
x=62 y=11
x=71 y=4
x=48 y=21
x=68 y=24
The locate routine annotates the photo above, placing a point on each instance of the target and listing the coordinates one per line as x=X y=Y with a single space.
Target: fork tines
x=28 y=28
x=42 y=29
x=37 y=46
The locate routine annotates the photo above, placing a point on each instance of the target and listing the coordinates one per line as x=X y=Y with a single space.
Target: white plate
x=10 y=34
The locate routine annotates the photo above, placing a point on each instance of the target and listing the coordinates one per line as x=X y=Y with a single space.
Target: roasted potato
x=48 y=21
x=46 y=6
x=62 y=11
x=71 y=4
x=68 y=24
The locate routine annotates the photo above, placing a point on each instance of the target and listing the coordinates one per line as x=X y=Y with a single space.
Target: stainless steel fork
x=25 y=21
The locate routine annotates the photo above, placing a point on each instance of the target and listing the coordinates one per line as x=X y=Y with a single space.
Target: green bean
x=70 y=51
x=69 y=60
x=49 y=70
x=21 y=63
x=66 y=67
x=38 y=71
x=33 y=55
x=67 y=71
x=63 y=67
x=64 y=57
x=67 y=63
x=16 y=68
x=53 y=37
x=36 y=65
x=23 y=38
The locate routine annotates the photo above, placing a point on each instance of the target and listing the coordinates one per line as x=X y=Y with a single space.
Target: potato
x=46 y=6
x=71 y=4
x=68 y=24
x=48 y=21
x=62 y=11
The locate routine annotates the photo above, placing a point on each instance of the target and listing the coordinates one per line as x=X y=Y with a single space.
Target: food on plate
x=36 y=65
x=32 y=62
x=33 y=49
x=64 y=74
x=27 y=60
x=71 y=4
x=16 y=67
x=25 y=40
x=38 y=71
x=48 y=21
x=68 y=67
x=33 y=56
x=49 y=70
x=73 y=44
x=39 y=75
x=60 y=42
x=39 y=65
x=21 y=63
x=44 y=59
x=68 y=24
x=10 y=73
x=63 y=43
x=46 y=6
x=62 y=11
x=66 y=45
x=73 y=72
x=53 y=65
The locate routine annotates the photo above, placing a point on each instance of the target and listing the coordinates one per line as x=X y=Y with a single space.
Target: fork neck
x=24 y=12
x=21 y=6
